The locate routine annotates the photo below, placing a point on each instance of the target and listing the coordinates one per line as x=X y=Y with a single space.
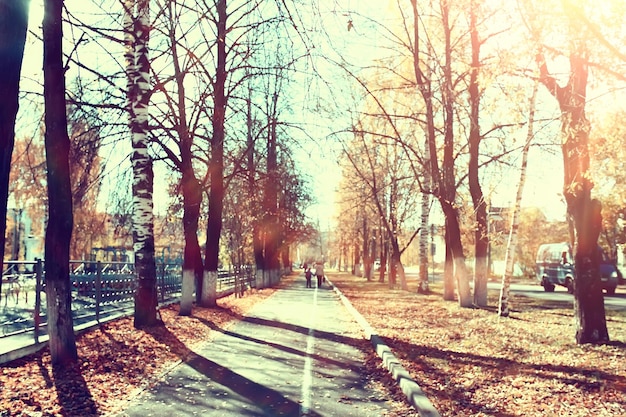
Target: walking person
x=319 y=273
x=308 y=275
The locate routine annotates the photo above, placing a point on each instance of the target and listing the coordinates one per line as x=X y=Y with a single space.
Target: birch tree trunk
x=397 y=269
x=585 y=212
x=424 y=244
x=422 y=79
x=62 y=340
x=373 y=255
x=137 y=35
x=13 y=26
x=511 y=247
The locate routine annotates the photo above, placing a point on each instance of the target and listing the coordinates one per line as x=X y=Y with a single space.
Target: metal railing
x=101 y=291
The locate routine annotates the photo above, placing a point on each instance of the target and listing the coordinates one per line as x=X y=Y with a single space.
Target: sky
x=335 y=36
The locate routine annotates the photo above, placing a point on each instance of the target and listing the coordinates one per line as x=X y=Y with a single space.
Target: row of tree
x=463 y=89
x=203 y=87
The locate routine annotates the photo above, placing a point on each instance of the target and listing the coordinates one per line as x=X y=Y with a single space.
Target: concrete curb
x=414 y=394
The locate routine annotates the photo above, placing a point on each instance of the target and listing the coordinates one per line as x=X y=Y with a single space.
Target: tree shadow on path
x=271 y=401
x=283 y=348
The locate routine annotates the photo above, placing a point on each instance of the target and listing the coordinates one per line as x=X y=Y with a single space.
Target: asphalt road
x=614 y=302
x=293 y=355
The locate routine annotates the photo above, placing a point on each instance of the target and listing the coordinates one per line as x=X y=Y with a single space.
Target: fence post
x=37 y=312
x=98 y=289
x=162 y=282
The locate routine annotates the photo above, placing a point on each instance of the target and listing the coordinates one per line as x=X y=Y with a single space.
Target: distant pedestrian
x=319 y=273
x=308 y=275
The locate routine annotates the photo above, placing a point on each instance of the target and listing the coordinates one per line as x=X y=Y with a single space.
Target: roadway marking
x=307 y=376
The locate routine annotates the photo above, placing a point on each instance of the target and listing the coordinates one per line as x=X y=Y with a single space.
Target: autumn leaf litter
x=469 y=362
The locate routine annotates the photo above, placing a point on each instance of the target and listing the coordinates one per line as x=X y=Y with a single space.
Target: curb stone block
x=413 y=392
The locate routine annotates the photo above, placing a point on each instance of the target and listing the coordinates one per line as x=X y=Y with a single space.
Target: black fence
x=101 y=291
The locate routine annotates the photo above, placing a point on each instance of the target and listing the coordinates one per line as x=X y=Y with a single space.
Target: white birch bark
x=209 y=288
x=186 y=297
x=136 y=37
x=423 y=286
x=143 y=217
x=509 y=259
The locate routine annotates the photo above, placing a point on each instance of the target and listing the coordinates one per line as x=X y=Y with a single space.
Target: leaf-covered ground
x=468 y=361
x=472 y=363
x=118 y=361
x=115 y=362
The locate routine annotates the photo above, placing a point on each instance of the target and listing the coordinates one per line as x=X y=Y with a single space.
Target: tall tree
x=585 y=212
x=273 y=231
x=511 y=247
x=13 y=26
x=194 y=103
x=62 y=341
x=182 y=108
x=379 y=162
x=352 y=209
x=251 y=168
x=443 y=172
x=137 y=35
x=423 y=75
x=216 y=164
x=270 y=195
x=481 y=237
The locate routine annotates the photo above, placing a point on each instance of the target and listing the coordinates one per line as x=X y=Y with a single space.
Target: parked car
x=555 y=266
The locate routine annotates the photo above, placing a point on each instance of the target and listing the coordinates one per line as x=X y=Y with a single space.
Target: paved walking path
x=292 y=355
